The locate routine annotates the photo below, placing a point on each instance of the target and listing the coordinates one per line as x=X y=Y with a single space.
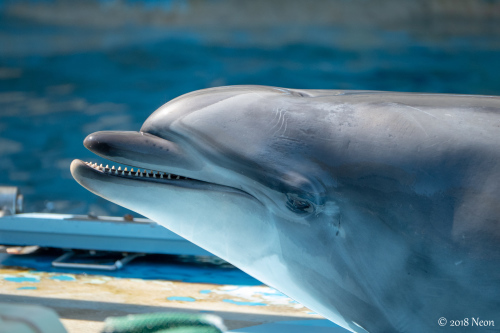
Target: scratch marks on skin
x=417 y=122
x=214 y=105
x=281 y=123
x=439 y=142
x=414 y=108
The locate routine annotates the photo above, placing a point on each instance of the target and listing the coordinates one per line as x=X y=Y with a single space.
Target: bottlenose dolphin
x=378 y=210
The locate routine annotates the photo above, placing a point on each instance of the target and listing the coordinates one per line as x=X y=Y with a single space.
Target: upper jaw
x=143 y=150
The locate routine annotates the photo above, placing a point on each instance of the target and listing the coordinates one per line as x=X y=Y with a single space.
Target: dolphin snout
x=139 y=149
x=97 y=143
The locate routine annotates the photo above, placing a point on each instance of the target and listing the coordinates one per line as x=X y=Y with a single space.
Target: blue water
x=61 y=81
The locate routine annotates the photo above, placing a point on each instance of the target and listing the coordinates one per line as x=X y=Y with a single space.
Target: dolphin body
x=378 y=210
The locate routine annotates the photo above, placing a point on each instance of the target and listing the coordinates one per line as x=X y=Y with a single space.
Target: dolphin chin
x=377 y=210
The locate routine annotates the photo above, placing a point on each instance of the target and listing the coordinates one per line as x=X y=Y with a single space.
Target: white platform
x=102 y=233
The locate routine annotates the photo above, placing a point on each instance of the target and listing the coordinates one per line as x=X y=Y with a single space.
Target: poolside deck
x=84 y=299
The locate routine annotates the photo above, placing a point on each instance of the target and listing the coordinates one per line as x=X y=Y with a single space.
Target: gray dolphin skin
x=377 y=210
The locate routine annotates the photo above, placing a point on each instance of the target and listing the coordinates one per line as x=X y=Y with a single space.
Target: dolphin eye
x=299 y=205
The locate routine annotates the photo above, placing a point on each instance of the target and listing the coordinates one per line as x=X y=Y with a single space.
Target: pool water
x=61 y=81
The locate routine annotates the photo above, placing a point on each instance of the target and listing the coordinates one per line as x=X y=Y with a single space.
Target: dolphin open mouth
x=144 y=158
x=147 y=175
x=85 y=172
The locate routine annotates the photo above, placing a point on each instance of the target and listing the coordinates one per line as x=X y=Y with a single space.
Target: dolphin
x=378 y=210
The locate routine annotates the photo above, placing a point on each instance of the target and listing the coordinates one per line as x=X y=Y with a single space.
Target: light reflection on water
x=60 y=82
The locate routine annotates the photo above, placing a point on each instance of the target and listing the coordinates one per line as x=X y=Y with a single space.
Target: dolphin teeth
x=139 y=173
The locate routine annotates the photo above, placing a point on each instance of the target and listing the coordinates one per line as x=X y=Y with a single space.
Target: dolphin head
x=341 y=200
x=221 y=165
x=229 y=172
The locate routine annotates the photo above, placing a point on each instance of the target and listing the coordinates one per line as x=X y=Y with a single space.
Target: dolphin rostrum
x=378 y=210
